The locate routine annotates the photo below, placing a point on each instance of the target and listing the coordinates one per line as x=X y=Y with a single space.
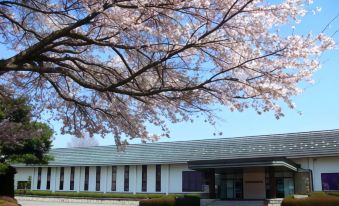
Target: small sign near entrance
x=254 y=182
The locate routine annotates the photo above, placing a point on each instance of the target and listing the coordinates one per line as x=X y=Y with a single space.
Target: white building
x=257 y=167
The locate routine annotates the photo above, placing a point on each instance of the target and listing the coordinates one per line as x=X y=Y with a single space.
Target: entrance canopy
x=243 y=163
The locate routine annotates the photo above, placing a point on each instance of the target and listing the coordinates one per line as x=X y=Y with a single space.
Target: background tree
x=21 y=141
x=114 y=66
x=84 y=141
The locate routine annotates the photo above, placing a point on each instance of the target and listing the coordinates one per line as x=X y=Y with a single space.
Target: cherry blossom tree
x=115 y=66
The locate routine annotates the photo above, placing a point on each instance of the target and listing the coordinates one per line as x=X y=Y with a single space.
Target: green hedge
x=96 y=194
x=172 y=201
x=333 y=193
x=315 y=199
x=87 y=194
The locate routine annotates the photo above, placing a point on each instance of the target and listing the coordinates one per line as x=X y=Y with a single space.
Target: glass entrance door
x=231 y=186
x=230 y=189
x=284 y=186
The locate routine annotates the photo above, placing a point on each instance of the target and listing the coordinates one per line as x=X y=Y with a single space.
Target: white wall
x=139 y=178
x=171 y=178
x=53 y=178
x=23 y=174
x=319 y=165
x=132 y=176
x=175 y=177
x=254 y=183
x=92 y=178
x=120 y=178
x=67 y=177
x=164 y=178
x=151 y=178
x=82 y=178
x=77 y=179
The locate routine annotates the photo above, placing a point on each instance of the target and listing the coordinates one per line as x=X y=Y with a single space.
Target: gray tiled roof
x=292 y=145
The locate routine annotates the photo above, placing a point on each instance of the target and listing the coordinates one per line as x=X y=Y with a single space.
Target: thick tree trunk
x=7 y=182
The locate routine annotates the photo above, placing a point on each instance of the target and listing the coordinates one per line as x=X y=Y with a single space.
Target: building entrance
x=231 y=186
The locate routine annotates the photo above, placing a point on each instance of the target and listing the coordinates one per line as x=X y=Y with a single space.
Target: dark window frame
x=62 y=178
x=48 y=183
x=144 y=178
x=86 y=179
x=158 y=178
x=38 y=187
x=114 y=179
x=192 y=181
x=71 y=179
x=97 y=178
x=126 y=178
x=330 y=181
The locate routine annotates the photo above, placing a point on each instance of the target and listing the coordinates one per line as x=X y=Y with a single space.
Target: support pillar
x=211 y=183
x=273 y=190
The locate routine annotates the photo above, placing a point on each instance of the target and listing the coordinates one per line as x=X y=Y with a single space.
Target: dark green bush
x=316 y=199
x=163 y=201
x=185 y=200
x=96 y=194
x=7 y=182
x=333 y=193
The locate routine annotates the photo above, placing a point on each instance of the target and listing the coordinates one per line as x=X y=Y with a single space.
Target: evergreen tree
x=22 y=140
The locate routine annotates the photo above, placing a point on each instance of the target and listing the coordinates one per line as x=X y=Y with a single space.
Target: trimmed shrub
x=185 y=200
x=86 y=194
x=94 y=194
x=333 y=193
x=317 y=199
x=163 y=201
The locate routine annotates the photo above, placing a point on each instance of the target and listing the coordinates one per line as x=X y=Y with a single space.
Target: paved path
x=44 y=203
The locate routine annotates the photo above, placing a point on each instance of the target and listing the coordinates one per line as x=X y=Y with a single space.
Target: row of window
x=98 y=177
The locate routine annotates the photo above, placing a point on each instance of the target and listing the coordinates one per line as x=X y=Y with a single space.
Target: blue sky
x=318 y=105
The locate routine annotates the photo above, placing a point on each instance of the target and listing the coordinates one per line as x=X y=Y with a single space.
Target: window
x=126 y=179
x=144 y=178
x=97 y=179
x=158 y=178
x=192 y=181
x=39 y=178
x=231 y=183
x=330 y=181
x=71 y=180
x=114 y=178
x=48 y=185
x=279 y=184
x=62 y=174
x=24 y=185
x=86 y=178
